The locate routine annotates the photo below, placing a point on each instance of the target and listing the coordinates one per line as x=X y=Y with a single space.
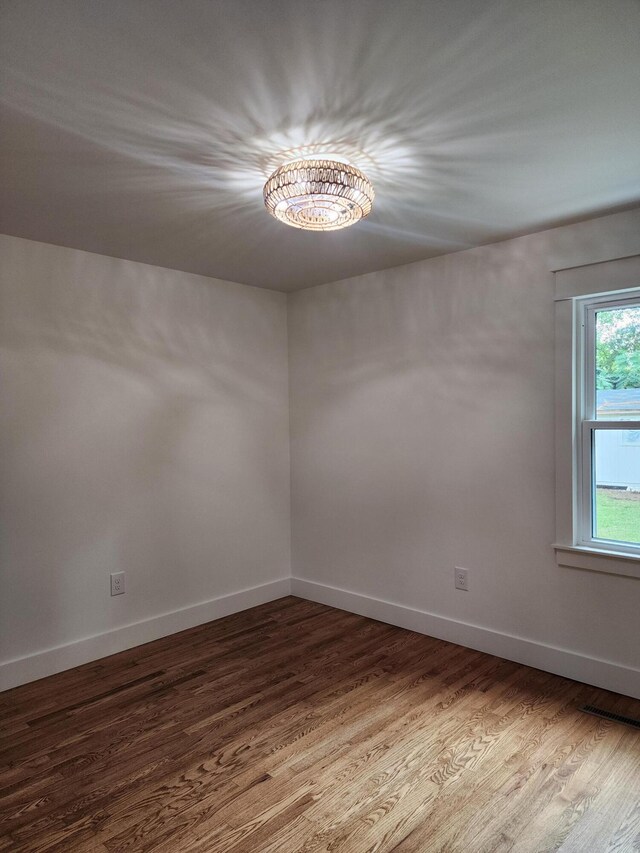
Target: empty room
x=320 y=426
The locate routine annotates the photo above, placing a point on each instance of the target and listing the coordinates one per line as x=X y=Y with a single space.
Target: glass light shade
x=318 y=195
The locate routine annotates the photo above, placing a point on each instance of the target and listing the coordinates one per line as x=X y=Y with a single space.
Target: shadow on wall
x=456 y=321
x=422 y=425
x=144 y=428
x=145 y=320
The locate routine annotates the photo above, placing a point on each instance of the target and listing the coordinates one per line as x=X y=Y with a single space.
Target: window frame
x=588 y=421
x=606 y=282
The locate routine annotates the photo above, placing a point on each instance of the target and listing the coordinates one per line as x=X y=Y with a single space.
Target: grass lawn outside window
x=618 y=515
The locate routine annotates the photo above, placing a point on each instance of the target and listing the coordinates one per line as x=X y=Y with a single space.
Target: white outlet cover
x=461 y=578
x=117 y=583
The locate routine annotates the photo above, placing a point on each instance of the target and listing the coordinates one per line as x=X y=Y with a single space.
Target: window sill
x=596 y=560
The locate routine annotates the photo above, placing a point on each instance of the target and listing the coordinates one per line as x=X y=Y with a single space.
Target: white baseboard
x=49 y=661
x=600 y=673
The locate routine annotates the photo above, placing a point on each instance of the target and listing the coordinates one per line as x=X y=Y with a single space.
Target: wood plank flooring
x=297 y=728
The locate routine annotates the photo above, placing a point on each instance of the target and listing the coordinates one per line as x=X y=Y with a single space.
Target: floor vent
x=608 y=715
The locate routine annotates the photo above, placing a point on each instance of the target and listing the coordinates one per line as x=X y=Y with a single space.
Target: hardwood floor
x=293 y=728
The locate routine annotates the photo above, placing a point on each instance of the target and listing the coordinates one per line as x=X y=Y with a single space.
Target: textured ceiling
x=145 y=129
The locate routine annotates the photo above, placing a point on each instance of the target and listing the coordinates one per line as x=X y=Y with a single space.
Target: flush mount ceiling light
x=318 y=195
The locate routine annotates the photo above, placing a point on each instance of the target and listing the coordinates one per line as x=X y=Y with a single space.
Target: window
x=598 y=417
x=608 y=433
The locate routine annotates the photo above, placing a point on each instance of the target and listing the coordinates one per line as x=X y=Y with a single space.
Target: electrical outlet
x=461 y=578
x=117 y=583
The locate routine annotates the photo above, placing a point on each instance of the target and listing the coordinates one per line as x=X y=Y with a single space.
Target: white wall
x=422 y=437
x=145 y=429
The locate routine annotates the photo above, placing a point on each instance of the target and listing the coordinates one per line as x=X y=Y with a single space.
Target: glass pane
x=618 y=363
x=617 y=485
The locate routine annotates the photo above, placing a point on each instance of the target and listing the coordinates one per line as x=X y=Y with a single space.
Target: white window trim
x=575 y=287
x=587 y=422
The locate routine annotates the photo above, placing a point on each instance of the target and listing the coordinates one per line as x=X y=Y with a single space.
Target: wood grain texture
x=297 y=728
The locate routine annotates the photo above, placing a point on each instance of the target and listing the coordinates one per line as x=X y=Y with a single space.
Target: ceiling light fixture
x=318 y=195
